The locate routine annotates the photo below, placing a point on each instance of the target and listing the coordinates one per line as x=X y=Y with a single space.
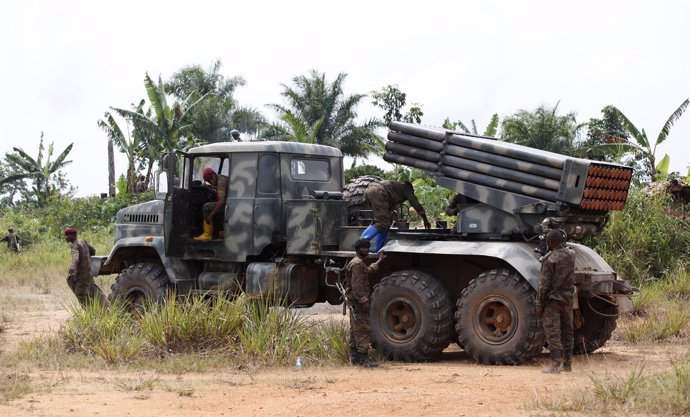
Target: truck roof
x=267 y=146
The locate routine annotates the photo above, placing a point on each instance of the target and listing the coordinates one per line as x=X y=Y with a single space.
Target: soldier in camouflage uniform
x=358 y=292
x=12 y=241
x=208 y=210
x=383 y=197
x=555 y=301
x=79 y=276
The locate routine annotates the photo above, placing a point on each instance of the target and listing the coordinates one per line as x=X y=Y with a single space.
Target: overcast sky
x=64 y=63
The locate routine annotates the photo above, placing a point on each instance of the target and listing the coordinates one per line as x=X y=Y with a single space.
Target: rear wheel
x=139 y=285
x=496 y=320
x=596 y=329
x=410 y=316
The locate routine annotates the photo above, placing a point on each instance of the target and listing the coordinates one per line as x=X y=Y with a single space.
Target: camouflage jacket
x=358 y=284
x=399 y=192
x=81 y=260
x=557 y=278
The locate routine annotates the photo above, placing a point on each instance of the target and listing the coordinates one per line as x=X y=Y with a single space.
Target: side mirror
x=161 y=184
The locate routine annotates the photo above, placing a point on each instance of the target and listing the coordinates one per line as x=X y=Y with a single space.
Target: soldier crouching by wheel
x=358 y=293
x=555 y=301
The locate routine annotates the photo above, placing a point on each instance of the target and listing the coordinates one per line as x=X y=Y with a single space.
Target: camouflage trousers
x=360 y=334
x=86 y=290
x=377 y=198
x=207 y=208
x=558 y=325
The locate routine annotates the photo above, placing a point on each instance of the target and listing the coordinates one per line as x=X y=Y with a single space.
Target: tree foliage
x=128 y=145
x=543 y=129
x=319 y=111
x=642 y=146
x=214 y=118
x=43 y=172
x=392 y=100
x=491 y=129
x=167 y=126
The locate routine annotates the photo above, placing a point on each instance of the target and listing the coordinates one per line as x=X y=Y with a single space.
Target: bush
x=645 y=242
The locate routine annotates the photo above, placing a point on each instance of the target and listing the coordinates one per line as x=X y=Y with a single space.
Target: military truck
x=289 y=224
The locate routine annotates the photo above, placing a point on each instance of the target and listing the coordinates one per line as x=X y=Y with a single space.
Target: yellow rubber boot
x=208 y=232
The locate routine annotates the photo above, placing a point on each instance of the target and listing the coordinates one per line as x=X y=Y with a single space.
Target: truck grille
x=141 y=218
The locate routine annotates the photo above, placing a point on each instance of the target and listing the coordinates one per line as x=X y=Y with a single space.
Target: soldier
x=79 y=276
x=208 y=210
x=13 y=241
x=383 y=197
x=141 y=185
x=554 y=301
x=358 y=293
x=235 y=135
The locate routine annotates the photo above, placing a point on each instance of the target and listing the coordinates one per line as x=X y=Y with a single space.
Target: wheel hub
x=400 y=319
x=494 y=320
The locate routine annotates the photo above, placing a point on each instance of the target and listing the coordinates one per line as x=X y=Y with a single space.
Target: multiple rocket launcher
x=488 y=167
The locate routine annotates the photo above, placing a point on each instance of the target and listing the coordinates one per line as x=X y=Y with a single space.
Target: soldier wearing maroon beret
x=79 y=276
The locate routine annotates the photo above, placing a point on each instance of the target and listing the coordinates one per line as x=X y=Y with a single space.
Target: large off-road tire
x=353 y=193
x=596 y=329
x=139 y=285
x=411 y=316
x=496 y=319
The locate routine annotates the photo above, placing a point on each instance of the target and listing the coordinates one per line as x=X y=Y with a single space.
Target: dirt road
x=453 y=386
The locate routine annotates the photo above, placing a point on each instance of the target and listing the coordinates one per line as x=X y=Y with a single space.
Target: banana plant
x=643 y=146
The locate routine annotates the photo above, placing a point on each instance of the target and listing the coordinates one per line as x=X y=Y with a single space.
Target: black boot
x=362 y=359
x=555 y=366
x=568 y=360
x=354 y=356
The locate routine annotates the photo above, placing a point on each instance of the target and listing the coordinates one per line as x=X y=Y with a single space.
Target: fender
x=175 y=269
x=519 y=255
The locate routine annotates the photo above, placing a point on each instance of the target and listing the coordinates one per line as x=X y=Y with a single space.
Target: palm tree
x=322 y=108
x=168 y=126
x=42 y=171
x=642 y=147
x=491 y=128
x=131 y=147
x=213 y=119
x=543 y=129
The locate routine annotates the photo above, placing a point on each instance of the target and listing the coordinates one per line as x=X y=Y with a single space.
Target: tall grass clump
x=645 y=241
x=108 y=332
x=192 y=325
x=246 y=330
x=666 y=393
x=669 y=320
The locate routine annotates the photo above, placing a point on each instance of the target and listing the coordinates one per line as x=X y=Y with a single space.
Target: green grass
x=192 y=335
x=14 y=386
x=666 y=393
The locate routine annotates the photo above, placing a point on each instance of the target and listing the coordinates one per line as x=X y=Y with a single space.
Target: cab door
x=177 y=166
x=267 y=204
x=239 y=209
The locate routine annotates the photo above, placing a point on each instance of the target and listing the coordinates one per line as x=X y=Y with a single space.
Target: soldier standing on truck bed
x=383 y=197
x=555 y=301
x=358 y=292
x=79 y=276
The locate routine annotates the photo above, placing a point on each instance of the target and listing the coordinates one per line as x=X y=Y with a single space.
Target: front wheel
x=410 y=316
x=496 y=320
x=139 y=285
